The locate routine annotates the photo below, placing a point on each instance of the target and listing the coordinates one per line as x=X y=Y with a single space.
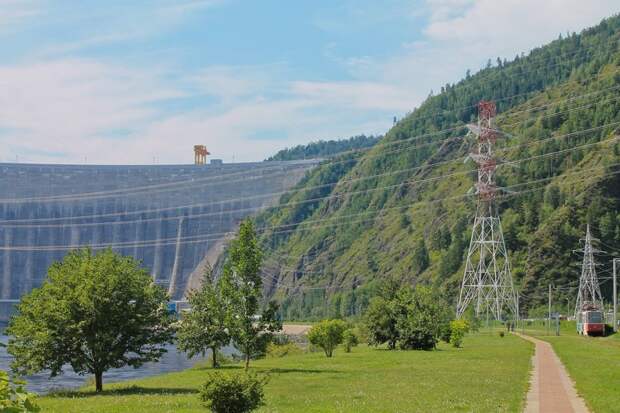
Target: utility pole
x=615 y=298
x=487 y=281
x=549 y=321
x=516 y=327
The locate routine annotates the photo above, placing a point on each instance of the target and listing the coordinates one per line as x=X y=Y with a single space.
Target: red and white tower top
x=486 y=135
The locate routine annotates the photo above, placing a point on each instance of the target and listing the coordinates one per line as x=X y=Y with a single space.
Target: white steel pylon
x=487 y=281
x=589 y=295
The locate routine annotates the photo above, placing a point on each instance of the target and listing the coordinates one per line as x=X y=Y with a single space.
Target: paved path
x=551 y=389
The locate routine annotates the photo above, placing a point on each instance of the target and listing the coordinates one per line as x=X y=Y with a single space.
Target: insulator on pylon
x=486 y=110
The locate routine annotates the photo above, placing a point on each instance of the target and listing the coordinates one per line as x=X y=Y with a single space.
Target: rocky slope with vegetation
x=401 y=208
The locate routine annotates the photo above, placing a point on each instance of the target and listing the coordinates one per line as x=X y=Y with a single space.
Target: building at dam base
x=170 y=217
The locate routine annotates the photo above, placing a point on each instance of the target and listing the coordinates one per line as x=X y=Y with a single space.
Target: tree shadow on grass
x=124 y=391
x=220 y=368
x=408 y=350
x=267 y=370
x=278 y=370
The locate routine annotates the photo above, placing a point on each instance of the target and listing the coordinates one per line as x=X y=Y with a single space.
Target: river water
x=173 y=360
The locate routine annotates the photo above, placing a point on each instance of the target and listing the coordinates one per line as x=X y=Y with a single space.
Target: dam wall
x=169 y=217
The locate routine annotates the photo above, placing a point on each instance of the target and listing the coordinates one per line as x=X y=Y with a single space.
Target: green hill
x=323 y=149
x=401 y=207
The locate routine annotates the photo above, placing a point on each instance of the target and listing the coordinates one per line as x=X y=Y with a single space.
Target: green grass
x=593 y=363
x=490 y=374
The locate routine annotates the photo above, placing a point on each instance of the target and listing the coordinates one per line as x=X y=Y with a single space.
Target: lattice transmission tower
x=487 y=281
x=589 y=295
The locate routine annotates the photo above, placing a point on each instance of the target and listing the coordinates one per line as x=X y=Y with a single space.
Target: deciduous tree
x=204 y=327
x=327 y=334
x=251 y=329
x=94 y=312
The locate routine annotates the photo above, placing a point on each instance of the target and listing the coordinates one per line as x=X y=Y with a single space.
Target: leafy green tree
x=250 y=329
x=422 y=317
x=93 y=312
x=607 y=226
x=327 y=334
x=440 y=238
x=204 y=327
x=421 y=259
x=14 y=398
x=380 y=320
x=349 y=339
x=233 y=393
x=323 y=148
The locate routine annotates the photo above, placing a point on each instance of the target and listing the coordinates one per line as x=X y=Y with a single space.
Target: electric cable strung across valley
x=9 y=224
x=507 y=148
x=174 y=185
x=341 y=188
x=219 y=236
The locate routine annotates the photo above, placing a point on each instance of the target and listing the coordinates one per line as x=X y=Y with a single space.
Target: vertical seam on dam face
x=148 y=212
x=175 y=266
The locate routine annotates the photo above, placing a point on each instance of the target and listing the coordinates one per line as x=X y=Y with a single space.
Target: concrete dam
x=173 y=218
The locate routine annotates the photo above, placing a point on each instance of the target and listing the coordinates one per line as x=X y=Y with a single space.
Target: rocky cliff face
x=169 y=217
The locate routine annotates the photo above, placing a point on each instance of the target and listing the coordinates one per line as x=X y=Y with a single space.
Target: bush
x=362 y=333
x=232 y=393
x=458 y=329
x=327 y=334
x=501 y=334
x=349 y=338
x=13 y=396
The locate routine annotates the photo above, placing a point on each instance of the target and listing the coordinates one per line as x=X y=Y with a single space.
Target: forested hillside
x=402 y=209
x=322 y=149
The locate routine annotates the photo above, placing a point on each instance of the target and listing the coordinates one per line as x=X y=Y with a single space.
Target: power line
x=191 y=239
x=132 y=190
x=297 y=190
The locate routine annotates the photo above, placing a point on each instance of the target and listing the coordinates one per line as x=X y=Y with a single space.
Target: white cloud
x=517 y=24
x=463 y=34
x=68 y=109
x=356 y=95
x=15 y=11
x=181 y=8
x=120 y=23
x=229 y=83
x=65 y=106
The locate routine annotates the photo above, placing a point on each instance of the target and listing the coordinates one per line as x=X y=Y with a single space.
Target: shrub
x=362 y=333
x=232 y=393
x=458 y=329
x=13 y=396
x=349 y=339
x=501 y=334
x=327 y=334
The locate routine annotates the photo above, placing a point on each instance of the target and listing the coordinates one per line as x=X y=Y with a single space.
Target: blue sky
x=128 y=82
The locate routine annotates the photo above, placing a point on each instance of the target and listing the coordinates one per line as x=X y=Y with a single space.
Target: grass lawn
x=593 y=363
x=490 y=374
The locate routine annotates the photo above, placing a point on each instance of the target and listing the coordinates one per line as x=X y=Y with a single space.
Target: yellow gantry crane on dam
x=200 y=154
